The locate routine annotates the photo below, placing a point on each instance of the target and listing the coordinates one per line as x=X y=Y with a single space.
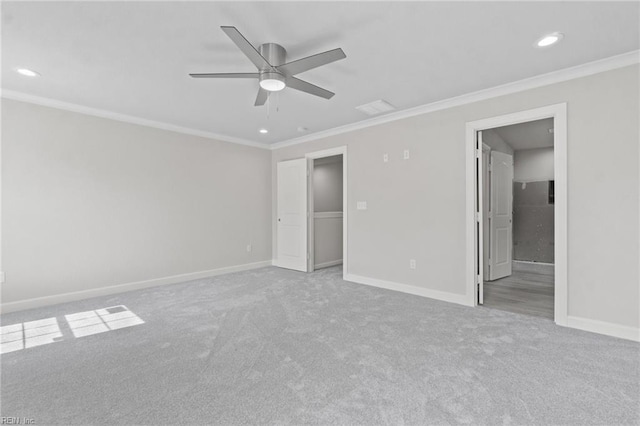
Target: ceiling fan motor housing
x=275 y=55
x=274 y=73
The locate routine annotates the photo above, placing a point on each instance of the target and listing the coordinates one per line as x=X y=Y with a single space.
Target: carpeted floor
x=273 y=346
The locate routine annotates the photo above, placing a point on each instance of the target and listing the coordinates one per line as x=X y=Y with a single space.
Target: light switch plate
x=385 y=158
x=406 y=154
x=362 y=205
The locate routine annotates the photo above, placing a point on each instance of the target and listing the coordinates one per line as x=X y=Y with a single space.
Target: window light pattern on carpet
x=45 y=331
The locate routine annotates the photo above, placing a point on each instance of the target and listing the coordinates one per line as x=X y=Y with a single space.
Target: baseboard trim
x=602 y=327
x=528 y=262
x=21 y=305
x=328 y=264
x=459 y=299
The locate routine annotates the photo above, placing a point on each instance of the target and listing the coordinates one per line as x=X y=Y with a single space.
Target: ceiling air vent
x=376 y=107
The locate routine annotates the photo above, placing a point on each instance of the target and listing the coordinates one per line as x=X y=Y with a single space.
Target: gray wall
x=327 y=197
x=533 y=216
x=417 y=208
x=531 y=165
x=533 y=222
x=327 y=184
x=90 y=202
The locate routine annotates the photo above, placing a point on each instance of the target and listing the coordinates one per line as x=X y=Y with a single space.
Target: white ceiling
x=529 y=135
x=133 y=57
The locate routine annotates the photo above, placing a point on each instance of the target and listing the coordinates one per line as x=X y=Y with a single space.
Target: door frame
x=341 y=150
x=474 y=251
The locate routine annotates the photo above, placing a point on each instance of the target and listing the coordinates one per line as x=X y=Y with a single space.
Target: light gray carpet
x=273 y=346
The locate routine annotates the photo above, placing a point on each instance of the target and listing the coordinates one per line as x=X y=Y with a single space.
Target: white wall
x=417 y=208
x=90 y=202
x=533 y=165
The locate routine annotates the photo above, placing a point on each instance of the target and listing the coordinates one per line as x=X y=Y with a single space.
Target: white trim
x=590 y=68
x=602 y=327
x=328 y=215
x=327 y=153
x=583 y=70
x=533 y=263
x=121 y=288
x=460 y=299
x=328 y=160
x=340 y=150
x=328 y=264
x=559 y=113
x=96 y=112
x=530 y=180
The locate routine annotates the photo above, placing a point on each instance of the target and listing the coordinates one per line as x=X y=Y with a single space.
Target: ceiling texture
x=529 y=135
x=134 y=58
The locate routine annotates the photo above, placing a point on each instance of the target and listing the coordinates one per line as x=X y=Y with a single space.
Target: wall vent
x=376 y=107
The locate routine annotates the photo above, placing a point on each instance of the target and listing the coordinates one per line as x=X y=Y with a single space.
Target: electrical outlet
x=406 y=154
x=361 y=205
x=385 y=158
x=412 y=264
x=249 y=248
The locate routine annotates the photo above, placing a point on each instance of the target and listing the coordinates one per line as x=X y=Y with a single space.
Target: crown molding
x=590 y=68
x=67 y=106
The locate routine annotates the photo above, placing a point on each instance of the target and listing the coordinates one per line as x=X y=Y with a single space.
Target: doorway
x=312 y=214
x=518 y=218
x=491 y=213
x=326 y=211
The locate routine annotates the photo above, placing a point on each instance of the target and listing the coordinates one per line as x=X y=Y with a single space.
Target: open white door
x=486 y=202
x=481 y=205
x=292 y=215
x=501 y=215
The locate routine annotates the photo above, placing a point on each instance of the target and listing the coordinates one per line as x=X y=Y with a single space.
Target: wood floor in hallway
x=528 y=290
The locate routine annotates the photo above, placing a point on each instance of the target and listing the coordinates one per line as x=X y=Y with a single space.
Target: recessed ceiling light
x=263 y=131
x=27 y=72
x=549 y=39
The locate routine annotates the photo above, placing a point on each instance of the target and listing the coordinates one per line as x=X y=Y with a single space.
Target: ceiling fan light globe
x=272 y=85
x=272 y=81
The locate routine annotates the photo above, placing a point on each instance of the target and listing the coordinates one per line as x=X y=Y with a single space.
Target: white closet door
x=292 y=214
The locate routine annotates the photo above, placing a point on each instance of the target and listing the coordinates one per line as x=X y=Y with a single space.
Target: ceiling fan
x=273 y=73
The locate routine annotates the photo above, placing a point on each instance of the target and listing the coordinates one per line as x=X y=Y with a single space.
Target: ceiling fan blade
x=262 y=97
x=303 y=86
x=227 y=75
x=311 y=62
x=247 y=48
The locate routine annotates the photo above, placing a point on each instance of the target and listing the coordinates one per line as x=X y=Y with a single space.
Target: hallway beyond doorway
x=528 y=290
